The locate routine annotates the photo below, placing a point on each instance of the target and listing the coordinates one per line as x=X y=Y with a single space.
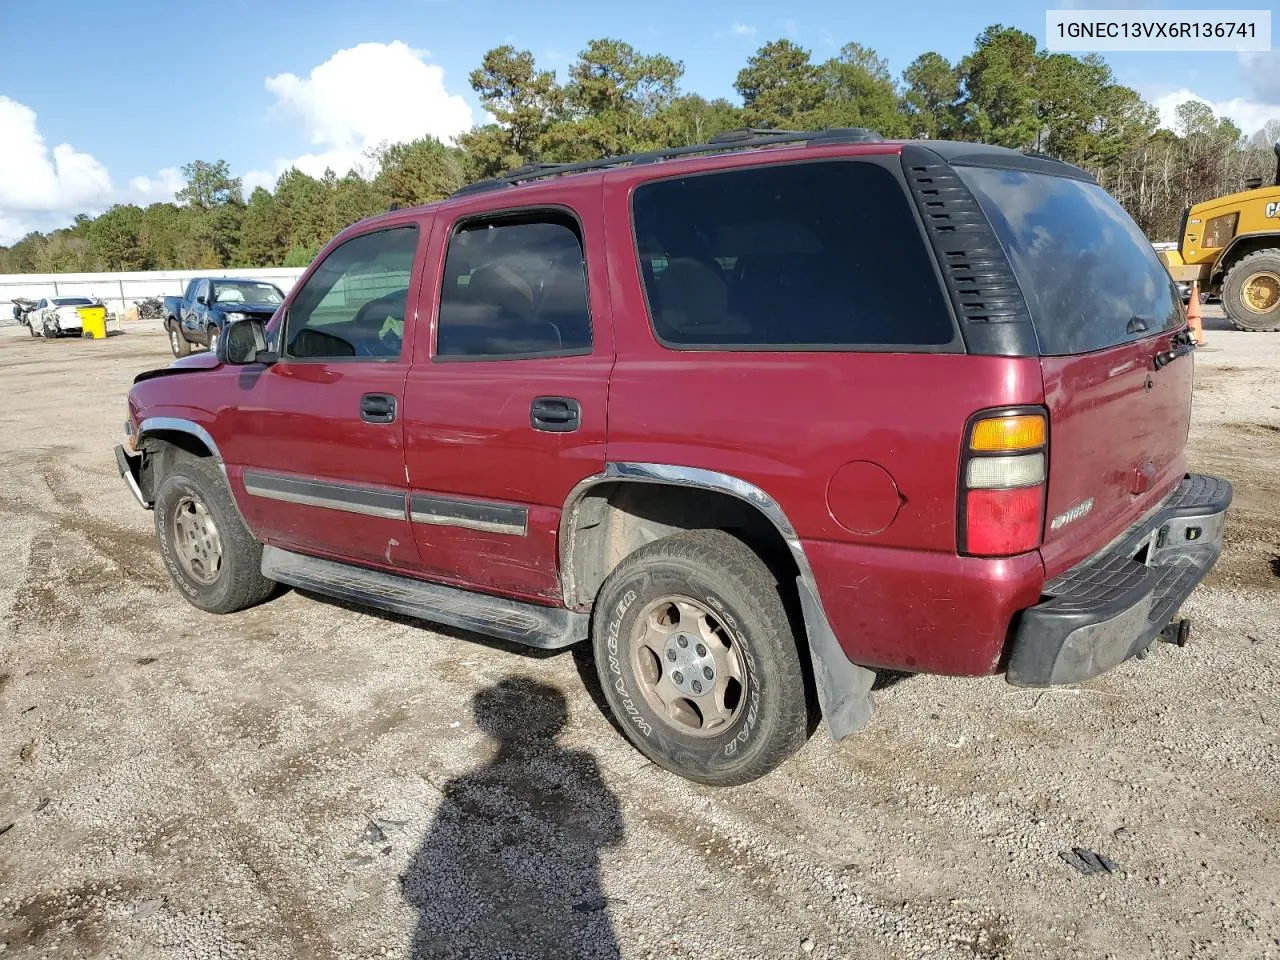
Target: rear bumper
x=1112 y=605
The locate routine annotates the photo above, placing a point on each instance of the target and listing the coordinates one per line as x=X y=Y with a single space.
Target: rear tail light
x=1002 y=482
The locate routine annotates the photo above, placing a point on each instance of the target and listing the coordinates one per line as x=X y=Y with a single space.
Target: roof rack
x=748 y=138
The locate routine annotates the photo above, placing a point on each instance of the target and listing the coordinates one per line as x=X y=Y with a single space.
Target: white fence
x=120 y=291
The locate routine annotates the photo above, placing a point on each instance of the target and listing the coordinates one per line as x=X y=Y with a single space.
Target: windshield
x=1091 y=278
x=72 y=302
x=243 y=291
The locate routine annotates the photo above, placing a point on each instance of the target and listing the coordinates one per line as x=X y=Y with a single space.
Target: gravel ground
x=306 y=780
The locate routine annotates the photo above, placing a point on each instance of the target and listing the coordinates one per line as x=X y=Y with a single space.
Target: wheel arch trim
x=844 y=688
x=191 y=428
x=182 y=425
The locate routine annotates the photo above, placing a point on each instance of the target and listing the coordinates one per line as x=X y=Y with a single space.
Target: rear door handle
x=377 y=408
x=555 y=414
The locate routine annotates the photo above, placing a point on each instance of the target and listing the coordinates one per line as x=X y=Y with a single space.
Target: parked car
x=755 y=422
x=210 y=303
x=57 y=316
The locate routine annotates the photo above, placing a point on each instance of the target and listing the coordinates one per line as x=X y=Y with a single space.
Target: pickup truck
x=210 y=303
x=755 y=419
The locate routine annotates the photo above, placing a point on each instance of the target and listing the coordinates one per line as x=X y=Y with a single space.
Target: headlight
x=237 y=316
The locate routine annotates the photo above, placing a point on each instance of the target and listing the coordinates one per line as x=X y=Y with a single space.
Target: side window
x=514 y=288
x=818 y=255
x=353 y=305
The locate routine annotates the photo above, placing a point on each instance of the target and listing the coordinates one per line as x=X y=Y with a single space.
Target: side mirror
x=243 y=342
x=202 y=299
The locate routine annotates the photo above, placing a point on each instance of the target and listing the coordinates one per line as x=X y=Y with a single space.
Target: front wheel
x=1251 y=292
x=177 y=342
x=699 y=661
x=212 y=558
x=211 y=334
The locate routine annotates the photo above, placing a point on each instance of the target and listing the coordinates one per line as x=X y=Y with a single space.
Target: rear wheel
x=698 y=659
x=212 y=558
x=177 y=342
x=1251 y=292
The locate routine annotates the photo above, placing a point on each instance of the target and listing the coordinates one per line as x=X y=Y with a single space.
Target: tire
x=178 y=343
x=31 y=330
x=48 y=332
x=220 y=570
x=719 y=590
x=1254 y=282
x=211 y=333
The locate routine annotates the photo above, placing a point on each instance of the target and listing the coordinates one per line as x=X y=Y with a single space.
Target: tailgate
x=1103 y=307
x=1117 y=432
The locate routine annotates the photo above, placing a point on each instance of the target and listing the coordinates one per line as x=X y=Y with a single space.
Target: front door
x=505 y=412
x=316 y=449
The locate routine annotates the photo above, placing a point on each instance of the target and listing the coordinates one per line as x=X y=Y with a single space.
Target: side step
x=549 y=628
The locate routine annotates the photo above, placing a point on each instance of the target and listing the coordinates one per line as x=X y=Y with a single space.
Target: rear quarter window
x=1090 y=276
x=801 y=256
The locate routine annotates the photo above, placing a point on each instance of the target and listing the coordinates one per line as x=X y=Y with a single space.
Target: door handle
x=555 y=414
x=377 y=408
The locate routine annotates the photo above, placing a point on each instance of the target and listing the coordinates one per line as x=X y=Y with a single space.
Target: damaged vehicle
x=54 y=317
x=755 y=418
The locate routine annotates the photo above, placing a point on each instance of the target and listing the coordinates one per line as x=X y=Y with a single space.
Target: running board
x=549 y=628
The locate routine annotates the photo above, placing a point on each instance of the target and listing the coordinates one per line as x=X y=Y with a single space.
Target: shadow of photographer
x=511 y=864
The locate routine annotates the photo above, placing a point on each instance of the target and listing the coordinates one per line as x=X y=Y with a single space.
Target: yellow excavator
x=1231 y=245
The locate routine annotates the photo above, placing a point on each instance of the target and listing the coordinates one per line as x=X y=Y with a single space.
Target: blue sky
x=156 y=84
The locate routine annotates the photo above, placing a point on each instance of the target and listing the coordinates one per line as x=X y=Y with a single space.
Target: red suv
x=756 y=417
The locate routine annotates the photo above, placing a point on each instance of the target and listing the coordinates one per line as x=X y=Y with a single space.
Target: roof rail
x=748 y=138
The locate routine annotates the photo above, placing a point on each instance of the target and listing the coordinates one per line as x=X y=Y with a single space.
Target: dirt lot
x=304 y=780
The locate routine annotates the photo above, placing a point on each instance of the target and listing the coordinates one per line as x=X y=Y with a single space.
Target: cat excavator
x=1231 y=246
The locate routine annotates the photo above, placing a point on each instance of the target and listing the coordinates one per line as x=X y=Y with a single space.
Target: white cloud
x=39 y=186
x=742 y=30
x=366 y=94
x=1248 y=114
x=356 y=100
x=790 y=28
x=157 y=189
x=43 y=188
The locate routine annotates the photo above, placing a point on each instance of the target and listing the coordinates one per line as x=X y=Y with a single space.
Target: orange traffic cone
x=1193 y=314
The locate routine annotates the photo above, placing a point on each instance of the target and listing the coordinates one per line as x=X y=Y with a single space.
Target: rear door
x=314 y=441
x=1103 y=308
x=505 y=411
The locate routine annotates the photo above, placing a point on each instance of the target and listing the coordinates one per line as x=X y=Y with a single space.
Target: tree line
x=617 y=100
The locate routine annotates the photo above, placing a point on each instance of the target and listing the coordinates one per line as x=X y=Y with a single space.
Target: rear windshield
x=1091 y=278
x=798 y=256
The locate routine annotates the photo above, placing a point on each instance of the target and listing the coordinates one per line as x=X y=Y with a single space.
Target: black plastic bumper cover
x=1112 y=605
x=129 y=470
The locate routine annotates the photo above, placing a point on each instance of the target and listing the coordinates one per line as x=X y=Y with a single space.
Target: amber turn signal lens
x=1022 y=432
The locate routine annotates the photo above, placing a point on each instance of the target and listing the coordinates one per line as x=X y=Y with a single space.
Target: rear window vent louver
x=984 y=291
